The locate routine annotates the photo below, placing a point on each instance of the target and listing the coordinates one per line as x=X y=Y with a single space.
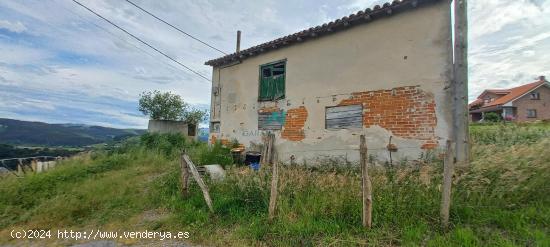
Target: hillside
x=17 y=132
x=501 y=200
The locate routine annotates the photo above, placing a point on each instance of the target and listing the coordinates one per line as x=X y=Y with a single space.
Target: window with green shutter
x=272 y=81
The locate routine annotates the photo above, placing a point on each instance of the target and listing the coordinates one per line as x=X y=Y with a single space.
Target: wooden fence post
x=274 y=176
x=201 y=183
x=34 y=165
x=274 y=179
x=267 y=152
x=366 y=185
x=184 y=176
x=274 y=190
x=20 y=166
x=448 y=168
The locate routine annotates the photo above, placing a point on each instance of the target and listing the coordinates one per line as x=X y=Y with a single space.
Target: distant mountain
x=17 y=132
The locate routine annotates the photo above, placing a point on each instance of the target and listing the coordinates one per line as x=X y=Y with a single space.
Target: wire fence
x=12 y=165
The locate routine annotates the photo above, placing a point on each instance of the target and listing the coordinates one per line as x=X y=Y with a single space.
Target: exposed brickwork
x=224 y=142
x=542 y=105
x=430 y=144
x=293 y=130
x=213 y=139
x=407 y=112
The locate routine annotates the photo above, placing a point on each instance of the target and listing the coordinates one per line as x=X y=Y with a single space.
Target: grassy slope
x=501 y=201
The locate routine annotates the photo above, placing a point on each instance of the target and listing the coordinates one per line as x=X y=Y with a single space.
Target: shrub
x=492 y=117
x=215 y=154
x=168 y=144
x=509 y=134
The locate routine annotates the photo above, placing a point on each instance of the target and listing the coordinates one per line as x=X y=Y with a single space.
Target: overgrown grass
x=505 y=134
x=502 y=200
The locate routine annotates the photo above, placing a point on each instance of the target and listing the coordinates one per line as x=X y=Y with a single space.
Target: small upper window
x=535 y=96
x=272 y=81
x=531 y=113
x=215 y=127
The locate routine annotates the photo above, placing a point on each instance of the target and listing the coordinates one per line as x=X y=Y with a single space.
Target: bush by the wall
x=492 y=117
x=215 y=154
x=168 y=144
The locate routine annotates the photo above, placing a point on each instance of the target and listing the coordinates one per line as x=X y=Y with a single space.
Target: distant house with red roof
x=528 y=102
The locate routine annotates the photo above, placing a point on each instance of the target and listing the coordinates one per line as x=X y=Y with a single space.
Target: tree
x=168 y=106
x=194 y=116
x=162 y=106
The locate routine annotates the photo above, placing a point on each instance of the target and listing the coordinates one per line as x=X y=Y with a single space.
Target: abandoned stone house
x=383 y=72
x=529 y=102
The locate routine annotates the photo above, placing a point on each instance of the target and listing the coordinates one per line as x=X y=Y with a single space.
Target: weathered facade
x=383 y=72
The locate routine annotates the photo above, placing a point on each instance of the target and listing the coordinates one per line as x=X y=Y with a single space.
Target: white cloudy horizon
x=61 y=64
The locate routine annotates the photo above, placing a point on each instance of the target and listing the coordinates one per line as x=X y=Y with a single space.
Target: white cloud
x=509 y=43
x=16 y=26
x=19 y=55
x=68 y=51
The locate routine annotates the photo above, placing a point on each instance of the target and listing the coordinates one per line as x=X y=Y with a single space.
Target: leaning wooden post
x=274 y=179
x=366 y=185
x=201 y=183
x=448 y=167
x=184 y=176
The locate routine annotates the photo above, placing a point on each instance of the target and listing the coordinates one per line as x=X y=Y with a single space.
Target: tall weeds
x=501 y=200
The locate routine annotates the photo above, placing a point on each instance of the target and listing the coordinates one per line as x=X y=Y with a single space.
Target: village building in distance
x=525 y=103
x=383 y=72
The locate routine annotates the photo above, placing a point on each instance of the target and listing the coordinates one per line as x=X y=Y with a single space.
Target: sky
x=61 y=64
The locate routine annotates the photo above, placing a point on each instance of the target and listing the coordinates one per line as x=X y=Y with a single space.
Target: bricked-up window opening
x=271 y=120
x=344 y=117
x=272 y=81
x=531 y=113
x=535 y=96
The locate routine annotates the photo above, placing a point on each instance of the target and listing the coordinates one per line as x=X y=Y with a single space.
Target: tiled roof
x=476 y=102
x=361 y=17
x=514 y=93
x=498 y=91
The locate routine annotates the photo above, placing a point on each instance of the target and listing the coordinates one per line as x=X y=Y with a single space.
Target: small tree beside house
x=169 y=113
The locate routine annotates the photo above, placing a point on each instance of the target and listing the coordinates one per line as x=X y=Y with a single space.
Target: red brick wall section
x=542 y=106
x=224 y=142
x=293 y=130
x=407 y=112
